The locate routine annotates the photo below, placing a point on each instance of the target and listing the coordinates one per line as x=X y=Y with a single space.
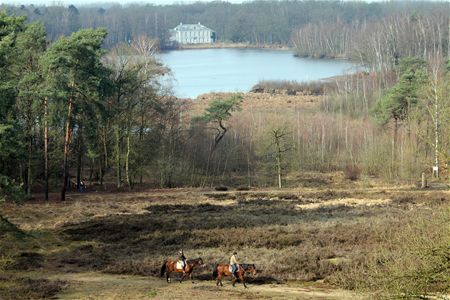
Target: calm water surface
x=195 y=72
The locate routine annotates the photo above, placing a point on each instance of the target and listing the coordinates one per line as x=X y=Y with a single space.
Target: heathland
x=305 y=241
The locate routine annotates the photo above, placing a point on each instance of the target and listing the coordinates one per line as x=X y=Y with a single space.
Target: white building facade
x=192 y=34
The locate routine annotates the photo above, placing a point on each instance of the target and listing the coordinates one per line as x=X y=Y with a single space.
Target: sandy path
x=93 y=285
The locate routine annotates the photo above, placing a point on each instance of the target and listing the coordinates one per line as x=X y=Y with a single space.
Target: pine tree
x=74 y=68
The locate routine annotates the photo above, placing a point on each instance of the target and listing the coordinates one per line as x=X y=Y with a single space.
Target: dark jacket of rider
x=182 y=258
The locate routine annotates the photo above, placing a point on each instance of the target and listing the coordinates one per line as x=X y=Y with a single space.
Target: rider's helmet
x=234 y=253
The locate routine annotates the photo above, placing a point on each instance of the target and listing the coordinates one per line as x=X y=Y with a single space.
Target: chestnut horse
x=224 y=270
x=171 y=266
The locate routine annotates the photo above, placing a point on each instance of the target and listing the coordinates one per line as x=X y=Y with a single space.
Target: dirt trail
x=93 y=285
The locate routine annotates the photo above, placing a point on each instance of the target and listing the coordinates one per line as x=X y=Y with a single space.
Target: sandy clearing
x=344 y=201
x=92 y=285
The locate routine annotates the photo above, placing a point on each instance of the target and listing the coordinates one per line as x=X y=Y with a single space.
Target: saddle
x=180 y=264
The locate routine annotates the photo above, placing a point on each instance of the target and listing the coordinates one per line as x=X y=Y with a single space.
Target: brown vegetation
x=27 y=288
x=303 y=234
x=292 y=88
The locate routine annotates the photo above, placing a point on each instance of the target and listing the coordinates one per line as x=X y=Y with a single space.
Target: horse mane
x=193 y=260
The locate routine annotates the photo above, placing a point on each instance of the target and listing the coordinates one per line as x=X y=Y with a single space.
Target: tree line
x=70 y=109
x=380 y=43
x=255 y=22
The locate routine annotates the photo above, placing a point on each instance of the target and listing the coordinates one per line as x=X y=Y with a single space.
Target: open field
x=111 y=245
x=265 y=102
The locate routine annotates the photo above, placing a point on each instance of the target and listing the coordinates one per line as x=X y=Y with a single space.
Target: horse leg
x=167 y=277
x=243 y=280
x=182 y=277
x=219 y=280
x=191 y=278
x=233 y=280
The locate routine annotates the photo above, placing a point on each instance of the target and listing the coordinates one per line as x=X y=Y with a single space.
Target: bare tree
x=278 y=137
x=145 y=45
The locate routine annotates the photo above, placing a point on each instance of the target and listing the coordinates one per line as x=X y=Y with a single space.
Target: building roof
x=191 y=27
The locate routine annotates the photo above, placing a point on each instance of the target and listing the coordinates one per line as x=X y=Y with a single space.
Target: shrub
x=5 y=261
x=27 y=288
x=413 y=261
x=292 y=87
x=243 y=188
x=352 y=172
x=10 y=190
x=221 y=188
x=8 y=227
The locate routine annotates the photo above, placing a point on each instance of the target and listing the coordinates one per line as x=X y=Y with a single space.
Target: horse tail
x=163 y=268
x=214 y=274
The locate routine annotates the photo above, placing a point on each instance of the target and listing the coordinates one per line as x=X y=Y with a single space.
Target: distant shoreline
x=235 y=46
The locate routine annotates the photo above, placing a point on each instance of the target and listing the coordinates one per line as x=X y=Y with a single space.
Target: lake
x=199 y=71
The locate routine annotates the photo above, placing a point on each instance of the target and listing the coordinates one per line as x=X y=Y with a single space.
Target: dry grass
x=413 y=262
x=307 y=233
x=264 y=102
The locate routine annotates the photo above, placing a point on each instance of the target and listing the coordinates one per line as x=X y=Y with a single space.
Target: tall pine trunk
x=66 y=150
x=141 y=159
x=46 y=146
x=118 y=160
x=29 y=129
x=127 y=160
x=29 y=168
x=105 y=157
x=80 y=154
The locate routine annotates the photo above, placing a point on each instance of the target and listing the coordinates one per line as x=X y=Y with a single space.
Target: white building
x=192 y=34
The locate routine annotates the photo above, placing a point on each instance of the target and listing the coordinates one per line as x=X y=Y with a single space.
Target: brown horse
x=224 y=270
x=171 y=266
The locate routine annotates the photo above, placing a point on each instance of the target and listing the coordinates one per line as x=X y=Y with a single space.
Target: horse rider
x=234 y=264
x=182 y=258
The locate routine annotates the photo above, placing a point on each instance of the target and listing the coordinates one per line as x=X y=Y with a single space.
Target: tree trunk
x=280 y=184
x=105 y=149
x=29 y=171
x=101 y=173
x=46 y=147
x=105 y=157
x=141 y=139
x=279 y=171
x=80 y=152
x=66 y=151
x=118 y=162
x=394 y=146
x=91 y=170
x=127 y=160
x=436 y=131
x=424 y=181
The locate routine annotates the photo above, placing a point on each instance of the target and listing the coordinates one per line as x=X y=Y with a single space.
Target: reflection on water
x=195 y=72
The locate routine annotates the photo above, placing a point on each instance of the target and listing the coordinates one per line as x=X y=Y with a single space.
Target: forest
x=254 y=22
x=82 y=109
